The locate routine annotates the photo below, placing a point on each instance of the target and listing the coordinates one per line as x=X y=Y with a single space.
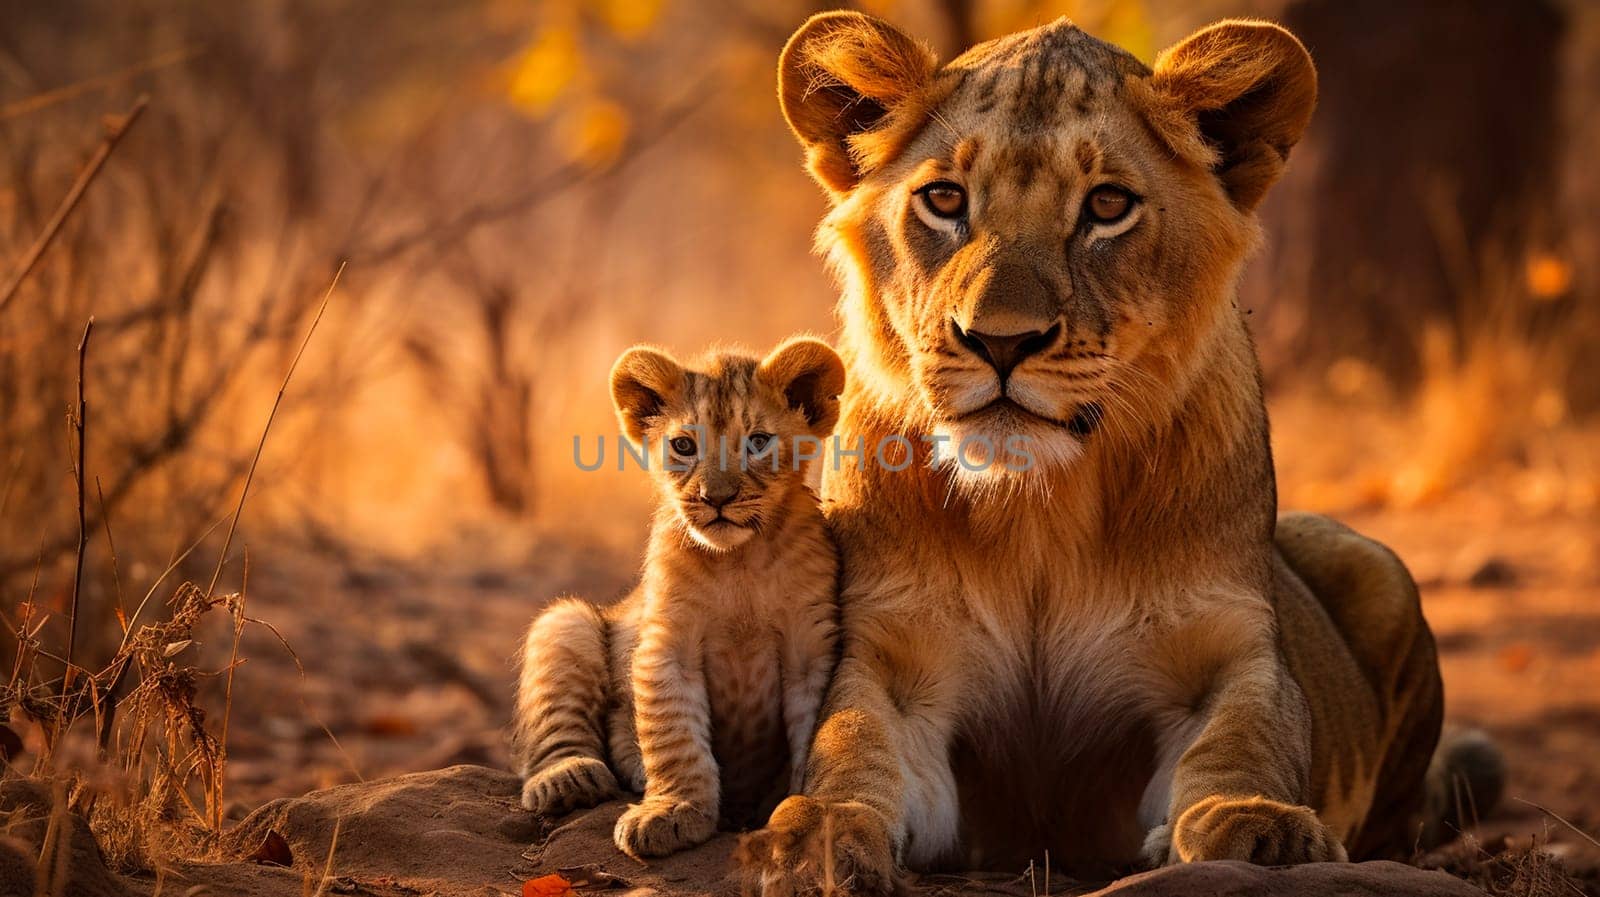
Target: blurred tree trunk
x=960 y=26
x=1430 y=174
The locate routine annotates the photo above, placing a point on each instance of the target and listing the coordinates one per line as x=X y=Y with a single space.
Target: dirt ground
x=407 y=666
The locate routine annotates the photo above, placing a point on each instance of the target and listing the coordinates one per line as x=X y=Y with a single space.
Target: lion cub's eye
x=944 y=199
x=1107 y=204
x=758 y=442
x=683 y=446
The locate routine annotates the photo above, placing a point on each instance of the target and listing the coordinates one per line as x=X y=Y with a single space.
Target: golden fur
x=703 y=685
x=1117 y=655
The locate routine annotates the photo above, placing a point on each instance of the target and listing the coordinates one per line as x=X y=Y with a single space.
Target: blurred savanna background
x=510 y=193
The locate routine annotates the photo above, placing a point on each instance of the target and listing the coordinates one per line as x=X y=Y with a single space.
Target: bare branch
x=114 y=135
x=89 y=85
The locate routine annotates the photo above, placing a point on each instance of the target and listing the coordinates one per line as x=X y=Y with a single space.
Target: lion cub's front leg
x=807 y=666
x=673 y=715
x=1238 y=791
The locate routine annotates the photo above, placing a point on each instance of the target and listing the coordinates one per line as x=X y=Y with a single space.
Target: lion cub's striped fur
x=702 y=687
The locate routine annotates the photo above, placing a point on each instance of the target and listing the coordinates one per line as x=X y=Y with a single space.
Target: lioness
x=1117 y=654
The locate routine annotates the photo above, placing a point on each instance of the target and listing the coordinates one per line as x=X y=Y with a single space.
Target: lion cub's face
x=729 y=439
x=1040 y=237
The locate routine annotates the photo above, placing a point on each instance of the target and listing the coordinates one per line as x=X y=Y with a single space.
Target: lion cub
x=705 y=682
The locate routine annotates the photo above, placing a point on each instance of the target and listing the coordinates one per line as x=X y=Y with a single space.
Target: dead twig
x=89 y=85
x=111 y=549
x=80 y=425
x=227 y=697
x=1559 y=818
x=327 y=867
x=114 y=135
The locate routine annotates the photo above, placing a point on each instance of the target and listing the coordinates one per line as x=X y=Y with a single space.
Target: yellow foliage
x=1126 y=25
x=1349 y=377
x=630 y=19
x=546 y=69
x=594 y=132
x=1549 y=276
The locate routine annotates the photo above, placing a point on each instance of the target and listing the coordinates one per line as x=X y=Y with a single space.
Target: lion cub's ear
x=810 y=375
x=839 y=75
x=643 y=381
x=1247 y=89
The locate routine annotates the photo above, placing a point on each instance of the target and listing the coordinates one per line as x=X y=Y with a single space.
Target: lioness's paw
x=575 y=783
x=657 y=826
x=1253 y=829
x=792 y=855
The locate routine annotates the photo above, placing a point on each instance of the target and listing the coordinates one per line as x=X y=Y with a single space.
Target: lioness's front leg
x=1239 y=791
x=879 y=783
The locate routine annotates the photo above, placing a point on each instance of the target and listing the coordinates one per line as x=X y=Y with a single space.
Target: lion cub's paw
x=575 y=783
x=1157 y=849
x=1253 y=829
x=792 y=854
x=658 y=826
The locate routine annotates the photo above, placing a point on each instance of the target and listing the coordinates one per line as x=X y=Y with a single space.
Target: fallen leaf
x=547 y=886
x=390 y=725
x=1516 y=657
x=274 y=851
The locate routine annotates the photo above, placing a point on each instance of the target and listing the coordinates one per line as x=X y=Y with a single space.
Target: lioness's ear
x=810 y=375
x=839 y=75
x=1247 y=88
x=643 y=381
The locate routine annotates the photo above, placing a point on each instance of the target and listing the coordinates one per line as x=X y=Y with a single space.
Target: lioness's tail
x=558 y=730
x=1465 y=781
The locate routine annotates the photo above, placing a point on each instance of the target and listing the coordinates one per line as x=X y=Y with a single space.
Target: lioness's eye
x=944 y=199
x=683 y=446
x=1107 y=204
x=758 y=441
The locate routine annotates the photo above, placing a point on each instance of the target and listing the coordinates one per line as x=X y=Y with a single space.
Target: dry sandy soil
x=408 y=668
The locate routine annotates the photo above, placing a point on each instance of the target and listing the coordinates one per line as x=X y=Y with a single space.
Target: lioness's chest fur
x=1059 y=753
x=1080 y=672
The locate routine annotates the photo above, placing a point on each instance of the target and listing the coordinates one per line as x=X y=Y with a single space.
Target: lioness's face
x=1038 y=238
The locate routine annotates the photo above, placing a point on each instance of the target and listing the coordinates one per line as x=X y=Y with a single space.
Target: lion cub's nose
x=1004 y=351
x=719 y=495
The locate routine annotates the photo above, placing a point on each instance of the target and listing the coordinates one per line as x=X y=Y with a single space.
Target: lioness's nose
x=1004 y=351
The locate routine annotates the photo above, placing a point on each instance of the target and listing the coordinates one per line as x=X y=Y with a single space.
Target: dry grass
x=153 y=790
x=1495 y=384
x=1525 y=869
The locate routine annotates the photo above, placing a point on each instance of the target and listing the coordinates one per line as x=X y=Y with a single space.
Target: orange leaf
x=1516 y=657
x=390 y=725
x=547 y=886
